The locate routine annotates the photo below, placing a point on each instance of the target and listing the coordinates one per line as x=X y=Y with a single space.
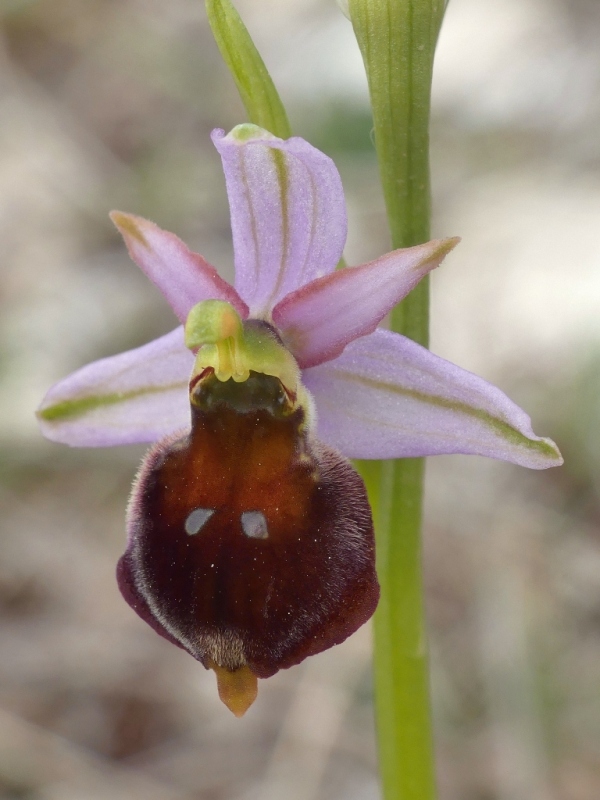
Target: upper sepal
x=288 y=214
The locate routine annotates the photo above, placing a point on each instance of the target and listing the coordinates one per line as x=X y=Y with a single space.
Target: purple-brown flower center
x=252 y=543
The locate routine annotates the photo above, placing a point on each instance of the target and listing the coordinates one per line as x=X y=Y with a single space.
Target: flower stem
x=397 y=40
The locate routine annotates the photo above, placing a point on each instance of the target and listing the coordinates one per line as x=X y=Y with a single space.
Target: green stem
x=397 y=40
x=401 y=668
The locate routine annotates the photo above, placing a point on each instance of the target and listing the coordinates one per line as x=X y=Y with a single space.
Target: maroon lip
x=251 y=542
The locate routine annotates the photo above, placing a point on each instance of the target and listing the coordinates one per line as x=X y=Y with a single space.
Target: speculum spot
x=197 y=519
x=254 y=525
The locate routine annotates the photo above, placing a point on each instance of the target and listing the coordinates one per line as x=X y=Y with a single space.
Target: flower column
x=397 y=40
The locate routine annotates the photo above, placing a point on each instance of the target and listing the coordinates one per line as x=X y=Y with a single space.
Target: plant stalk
x=397 y=40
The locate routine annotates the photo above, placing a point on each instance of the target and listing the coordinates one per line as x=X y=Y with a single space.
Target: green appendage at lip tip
x=510 y=434
x=75 y=408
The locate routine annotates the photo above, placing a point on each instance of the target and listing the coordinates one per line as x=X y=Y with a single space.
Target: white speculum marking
x=197 y=519
x=254 y=525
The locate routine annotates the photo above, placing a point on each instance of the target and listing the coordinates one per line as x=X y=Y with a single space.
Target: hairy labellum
x=251 y=543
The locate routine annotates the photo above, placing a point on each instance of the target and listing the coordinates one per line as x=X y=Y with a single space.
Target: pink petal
x=318 y=320
x=288 y=214
x=183 y=277
x=388 y=397
x=136 y=396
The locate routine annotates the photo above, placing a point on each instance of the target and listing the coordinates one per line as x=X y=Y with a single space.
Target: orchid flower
x=250 y=538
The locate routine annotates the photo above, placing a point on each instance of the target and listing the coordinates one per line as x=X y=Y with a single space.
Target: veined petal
x=388 y=397
x=288 y=215
x=137 y=396
x=318 y=320
x=183 y=277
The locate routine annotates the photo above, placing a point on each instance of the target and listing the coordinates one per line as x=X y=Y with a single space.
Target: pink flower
x=250 y=537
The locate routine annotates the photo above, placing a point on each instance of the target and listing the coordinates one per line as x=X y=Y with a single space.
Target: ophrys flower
x=250 y=536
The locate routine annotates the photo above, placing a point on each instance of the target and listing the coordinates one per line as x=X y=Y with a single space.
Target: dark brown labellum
x=250 y=542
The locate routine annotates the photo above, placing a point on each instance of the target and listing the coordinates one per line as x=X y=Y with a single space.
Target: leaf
x=255 y=85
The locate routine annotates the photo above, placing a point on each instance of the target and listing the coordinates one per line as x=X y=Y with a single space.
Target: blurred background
x=108 y=104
